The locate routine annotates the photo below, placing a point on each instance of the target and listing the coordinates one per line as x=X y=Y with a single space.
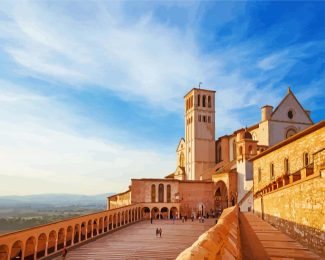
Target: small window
x=198 y=100
x=209 y=101
x=204 y=119
x=306 y=159
x=259 y=174
x=250 y=149
x=290 y=114
x=272 y=171
x=286 y=165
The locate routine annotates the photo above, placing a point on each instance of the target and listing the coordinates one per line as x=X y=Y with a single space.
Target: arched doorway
x=76 y=234
x=41 y=245
x=155 y=213
x=145 y=213
x=51 y=242
x=105 y=224
x=221 y=196
x=83 y=231
x=95 y=227
x=164 y=213
x=100 y=228
x=173 y=213
x=89 y=229
x=17 y=250
x=30 y=248
x=69 y=236
x=60 y=243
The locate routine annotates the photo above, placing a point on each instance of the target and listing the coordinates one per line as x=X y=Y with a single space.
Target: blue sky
x=92 y=92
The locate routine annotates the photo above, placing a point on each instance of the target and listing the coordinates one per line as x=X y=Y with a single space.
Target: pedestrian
x=160 y=232
x=151 y=220
x=64 y=252
x=157 y=232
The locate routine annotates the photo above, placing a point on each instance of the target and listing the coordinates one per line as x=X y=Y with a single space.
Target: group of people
x=158 y=232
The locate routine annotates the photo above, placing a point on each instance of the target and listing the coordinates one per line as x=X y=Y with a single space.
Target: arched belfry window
x=203 y=100
x=209 y=101
x=153 y=193
x=169 y=193
x=161 y=192
x=250 y=149
x=198 y=100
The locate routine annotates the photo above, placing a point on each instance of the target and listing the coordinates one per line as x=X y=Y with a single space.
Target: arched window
x=259 y=174
x=198 y=100
x=286 y=165
x=306 y=159
x=153 y=193
x=272 y=171
x=192 y=101
x=161 y=193
x=290 y=132
x=169 y=195
x=234 y=153
x=209 y=101
x=203 y=100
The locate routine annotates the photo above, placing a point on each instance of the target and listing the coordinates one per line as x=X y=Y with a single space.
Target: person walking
x=64 y=252
x=157 y=232
x=151 y=220
x=160 y=232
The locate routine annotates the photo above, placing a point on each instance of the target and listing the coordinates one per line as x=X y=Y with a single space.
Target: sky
x=91 y=92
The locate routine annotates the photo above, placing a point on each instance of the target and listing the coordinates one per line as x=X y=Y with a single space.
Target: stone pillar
x=47 y=244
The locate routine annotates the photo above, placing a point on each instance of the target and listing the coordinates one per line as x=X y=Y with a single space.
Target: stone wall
x=298 y=210
x=119 y=200
x=222 y=241
x=294 y=200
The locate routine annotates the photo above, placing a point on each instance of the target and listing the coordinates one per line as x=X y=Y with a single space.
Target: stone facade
x=289 y=186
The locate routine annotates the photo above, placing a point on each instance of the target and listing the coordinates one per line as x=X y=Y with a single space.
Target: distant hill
x=54 y=200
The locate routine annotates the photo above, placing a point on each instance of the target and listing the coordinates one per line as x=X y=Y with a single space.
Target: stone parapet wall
x=298 y=210
x=119 y=200
x=222 y=241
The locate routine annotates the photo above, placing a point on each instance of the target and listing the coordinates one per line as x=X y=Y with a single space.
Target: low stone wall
x=222 y=241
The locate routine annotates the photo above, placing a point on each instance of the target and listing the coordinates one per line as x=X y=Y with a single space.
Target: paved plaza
x=139 y=241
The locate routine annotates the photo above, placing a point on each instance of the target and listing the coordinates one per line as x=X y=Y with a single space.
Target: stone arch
x=51 y=242
x=161 y=191
x=164 y=213
x=76 y=234
x=17 y=250
x=221 y=195
x=83 y=234
x=69 y=236
x=110 y=222
x=123 y=218
x=145 y=213
x=89 y=229
x=129 y=215
x=105 y=223
x=155 y=213
x=100 y=227
x=153 y=193
x=203 y=100
x=198 y=100
x=4 y=252
x=169 y=194
x=95 y=227
x=119 y=219
x=60 y=243
x=133 y=215
x=114 y=220
x=30 y=248
x=41 y=245
x=173 y=212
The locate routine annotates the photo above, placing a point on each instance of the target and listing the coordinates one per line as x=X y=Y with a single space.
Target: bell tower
x=199 y=132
